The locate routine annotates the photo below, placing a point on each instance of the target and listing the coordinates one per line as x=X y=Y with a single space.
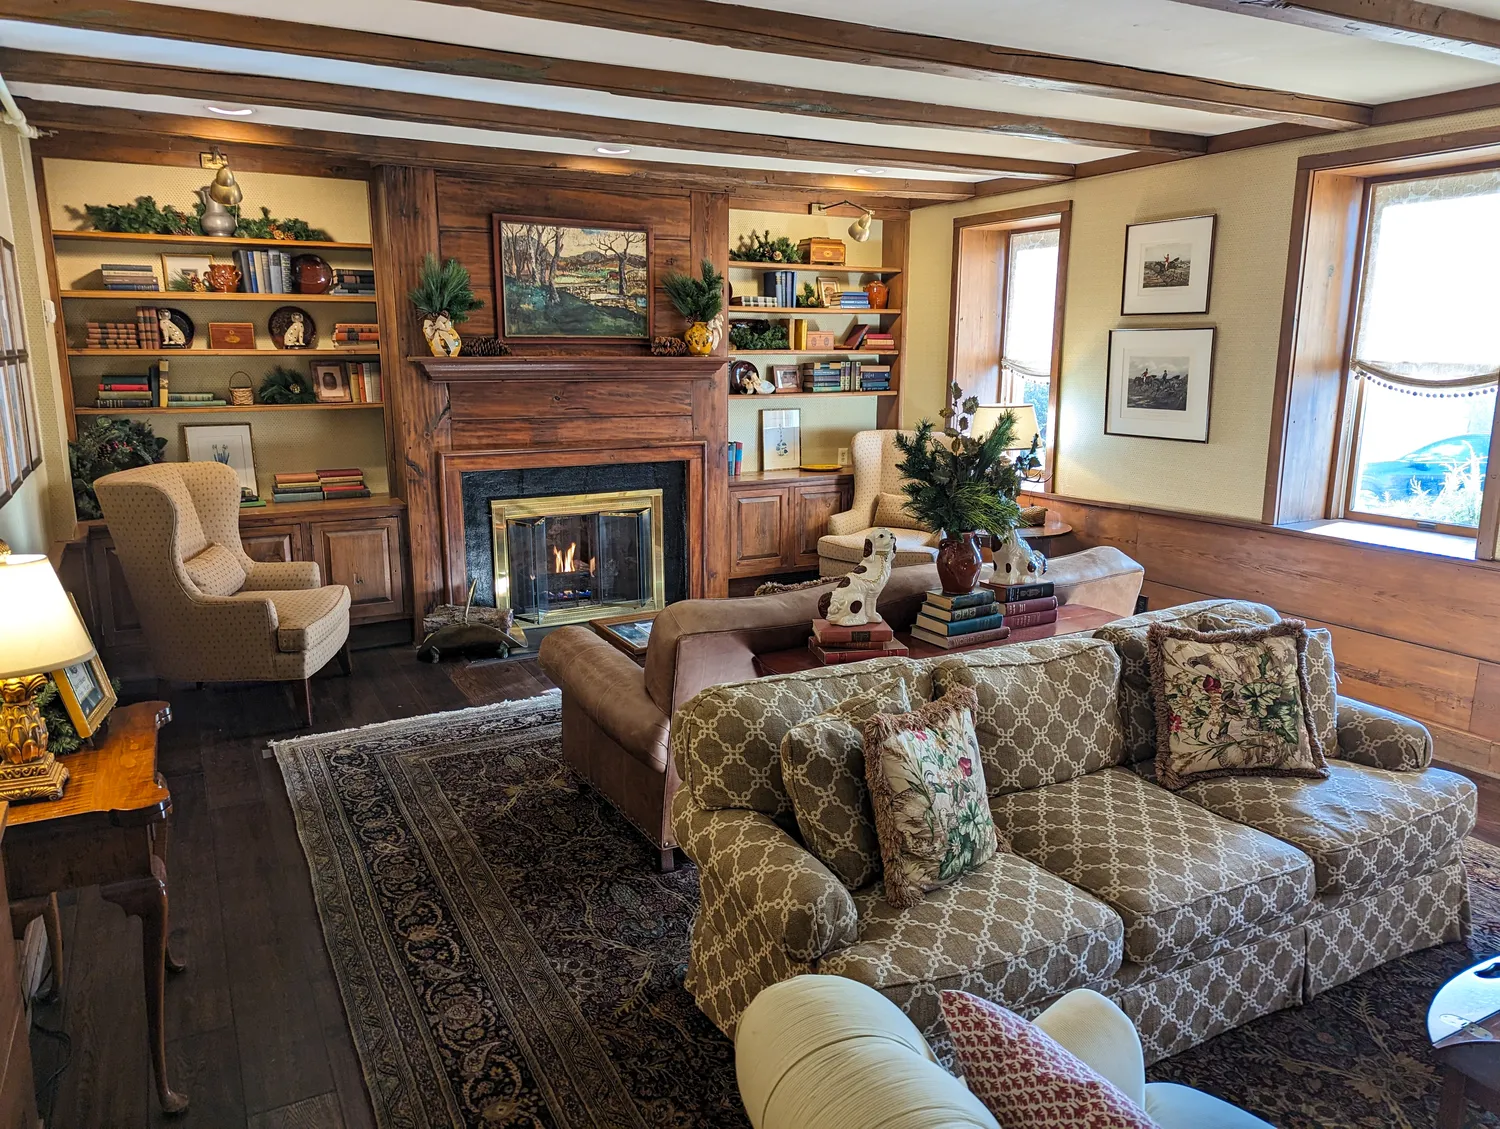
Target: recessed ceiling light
x=869 y=172
x=231 y=111
x=611 y=150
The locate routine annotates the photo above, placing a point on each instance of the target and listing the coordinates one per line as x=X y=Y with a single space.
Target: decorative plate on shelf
x=174 y=325
x=292 y=327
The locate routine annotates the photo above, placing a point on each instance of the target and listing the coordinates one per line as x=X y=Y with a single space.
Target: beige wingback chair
x=840 y=549
x=210 y=613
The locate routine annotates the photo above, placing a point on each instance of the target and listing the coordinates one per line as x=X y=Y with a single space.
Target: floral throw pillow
x=1026 y=1078
x=932 y=815
x=1232 y=703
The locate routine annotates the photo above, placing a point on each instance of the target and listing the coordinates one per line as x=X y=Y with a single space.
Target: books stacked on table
x=969 y=620
x=822 y=376
x=879 y=341
x=356 y=333
x=345 y=483
x=297 y=486
x=1024 y=605
x=832 y=644
x=348 y=280
x=111 y=335
x=265 y=272
x=125 y=392
x=781 y=285
x=873 y=378
x=854 y=300
x=128 y=276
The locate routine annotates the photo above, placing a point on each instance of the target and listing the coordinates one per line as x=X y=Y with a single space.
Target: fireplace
x=568 y=557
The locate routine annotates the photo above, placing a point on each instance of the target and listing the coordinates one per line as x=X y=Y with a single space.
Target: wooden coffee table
x=1471 y=1070
x=1071 y=620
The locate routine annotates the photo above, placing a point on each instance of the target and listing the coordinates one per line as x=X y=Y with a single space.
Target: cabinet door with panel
x=812 y=506
x=364 y=555
x=272 y=543
x=757 y=523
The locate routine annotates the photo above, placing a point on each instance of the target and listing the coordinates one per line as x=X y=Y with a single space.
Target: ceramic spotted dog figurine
x=1016 y=562
x=852 y=602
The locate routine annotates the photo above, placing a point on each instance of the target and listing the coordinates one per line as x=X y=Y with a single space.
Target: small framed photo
x=1159 y=385
x=86 y=694
x=829 y=290
x=786 y=378
x=185 y=272
x=1168 y=266
x=227 y=443
x=631 y=632
x=331 y=383
x=781 y=439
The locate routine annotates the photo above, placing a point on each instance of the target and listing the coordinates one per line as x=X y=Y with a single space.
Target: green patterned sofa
x=1195 y=911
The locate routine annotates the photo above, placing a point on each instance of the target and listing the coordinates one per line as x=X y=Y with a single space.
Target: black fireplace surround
x=480 y=487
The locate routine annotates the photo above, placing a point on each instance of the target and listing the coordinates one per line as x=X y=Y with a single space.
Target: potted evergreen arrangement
x=957 y=484
x=444 y=298
x=701 y=301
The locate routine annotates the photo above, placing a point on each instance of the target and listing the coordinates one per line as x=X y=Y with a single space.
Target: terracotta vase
x=223 y=277
x=699 y=338
x=958 y=564
x=879 y=294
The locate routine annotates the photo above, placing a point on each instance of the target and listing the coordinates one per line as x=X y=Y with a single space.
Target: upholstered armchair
x=209 y=612
x=840 y=549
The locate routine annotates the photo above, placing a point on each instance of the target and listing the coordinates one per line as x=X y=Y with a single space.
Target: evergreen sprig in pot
x=445 y=299
x=701 y=301
x=960 y=485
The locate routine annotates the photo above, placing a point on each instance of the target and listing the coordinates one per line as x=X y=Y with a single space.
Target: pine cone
x=485 y=347
x=668 y=347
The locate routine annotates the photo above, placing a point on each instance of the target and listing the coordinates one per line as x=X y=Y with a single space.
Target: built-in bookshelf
x=285 y=437
x=829 y=419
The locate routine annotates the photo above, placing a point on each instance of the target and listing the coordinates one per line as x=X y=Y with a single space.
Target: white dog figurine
x=852 y=601
x=1016 y=562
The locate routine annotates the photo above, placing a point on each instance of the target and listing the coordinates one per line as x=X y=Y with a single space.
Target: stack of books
x=879 y=341
x=299 y=486
x=344 y=483
x=736 y=457
x=822 y=376
x=125 y=392
x=873 y=378
x=854 y=300
x=1024 y=605
x=780 y=285
x=348 y=280
x=148 y=327
x=112 y=335
x=265 y=272
x=356 y=333
x=195 y=400
x=832 y=644
x=969 y=620
x=364 y=381
x=128 y=276
x=855 y=337
x=754 y=301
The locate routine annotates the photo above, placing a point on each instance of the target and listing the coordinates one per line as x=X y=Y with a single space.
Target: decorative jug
x=216 y=219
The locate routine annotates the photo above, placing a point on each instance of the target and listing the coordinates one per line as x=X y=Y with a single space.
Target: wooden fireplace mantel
x=453 y=370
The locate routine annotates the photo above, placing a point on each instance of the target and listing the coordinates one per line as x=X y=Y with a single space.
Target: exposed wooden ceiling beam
x=825 y=40
x=1409 y=23
x=254 y=33
x=167 y=129
x=142 y=78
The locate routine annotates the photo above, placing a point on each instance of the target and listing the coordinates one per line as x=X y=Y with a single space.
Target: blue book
x=967 y=600
x=961 y=627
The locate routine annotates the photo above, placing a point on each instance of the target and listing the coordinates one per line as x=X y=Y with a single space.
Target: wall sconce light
x=225 y=189
x=859 y=230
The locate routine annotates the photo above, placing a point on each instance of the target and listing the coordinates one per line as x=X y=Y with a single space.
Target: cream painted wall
x=1251 y=192
x=42 y=510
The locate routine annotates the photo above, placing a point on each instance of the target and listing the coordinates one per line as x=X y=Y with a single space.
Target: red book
x=948 y=642
x=1031 y=619
x=350 y=489
x=887 y=650
x=878 y=632
x=349 y=473
x=124 y=388
x=1026 y=607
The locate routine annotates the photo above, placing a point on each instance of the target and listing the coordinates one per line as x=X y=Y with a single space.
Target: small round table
x=1463 y=1045
x=1039 y=537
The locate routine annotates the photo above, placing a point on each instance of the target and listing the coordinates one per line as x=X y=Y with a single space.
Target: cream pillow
x=216 y=571
x=823 y=765
x=890 y=511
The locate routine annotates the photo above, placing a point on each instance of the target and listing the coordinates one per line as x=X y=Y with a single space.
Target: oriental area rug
x=509 y=956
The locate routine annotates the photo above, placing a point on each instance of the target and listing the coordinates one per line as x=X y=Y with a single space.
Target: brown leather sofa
x=616 y=717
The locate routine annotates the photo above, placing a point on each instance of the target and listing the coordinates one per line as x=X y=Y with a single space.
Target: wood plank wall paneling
x=1411 y=632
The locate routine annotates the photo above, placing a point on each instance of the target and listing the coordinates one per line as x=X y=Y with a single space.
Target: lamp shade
x=985 y=419
x=39 y=630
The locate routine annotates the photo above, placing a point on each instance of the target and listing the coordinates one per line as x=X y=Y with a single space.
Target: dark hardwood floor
x=256 y=1027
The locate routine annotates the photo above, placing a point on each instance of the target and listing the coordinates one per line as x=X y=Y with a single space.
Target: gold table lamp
x=39 y=632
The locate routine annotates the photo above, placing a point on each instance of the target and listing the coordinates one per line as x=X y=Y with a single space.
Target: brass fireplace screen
x=572 y=557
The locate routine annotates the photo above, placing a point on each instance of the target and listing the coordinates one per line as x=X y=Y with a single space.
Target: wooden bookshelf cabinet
x=776 y=518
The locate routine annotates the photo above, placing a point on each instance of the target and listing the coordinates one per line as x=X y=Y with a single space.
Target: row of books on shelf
x=844 y=376
x=320 y=485
x=142 y=333
x=781 y=287
x=127 y=276
x=151 y=389
x=736 y=457
x=986 y=615
x=265 y=272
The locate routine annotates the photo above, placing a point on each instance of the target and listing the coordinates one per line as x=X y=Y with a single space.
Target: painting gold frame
x=87 y=710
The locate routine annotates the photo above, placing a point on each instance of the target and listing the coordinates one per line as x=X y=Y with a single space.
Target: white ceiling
x=1155 y=35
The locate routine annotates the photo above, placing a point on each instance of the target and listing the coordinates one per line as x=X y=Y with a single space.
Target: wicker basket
x=242 y=396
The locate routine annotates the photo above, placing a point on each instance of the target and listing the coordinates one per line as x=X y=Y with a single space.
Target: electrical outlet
x=843 y=456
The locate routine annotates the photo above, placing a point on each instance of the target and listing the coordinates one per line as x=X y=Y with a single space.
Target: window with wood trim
x=1009 y=274
x=20 y=436
x=1425 y=360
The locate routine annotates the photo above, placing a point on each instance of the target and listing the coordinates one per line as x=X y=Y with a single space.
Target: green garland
x=62 y=737
x=293 y=229
x=758 y=248
x=144 y=216
x=758 y=335
x=103 y=446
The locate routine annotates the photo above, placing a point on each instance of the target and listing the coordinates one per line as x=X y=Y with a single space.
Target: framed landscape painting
x=1168 y=266
x=571 y=280
x=1159 y=383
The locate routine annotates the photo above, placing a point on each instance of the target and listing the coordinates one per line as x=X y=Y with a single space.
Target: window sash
x=20 y=433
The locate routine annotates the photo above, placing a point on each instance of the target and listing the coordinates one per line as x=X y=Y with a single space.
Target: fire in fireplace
x=573 y=557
